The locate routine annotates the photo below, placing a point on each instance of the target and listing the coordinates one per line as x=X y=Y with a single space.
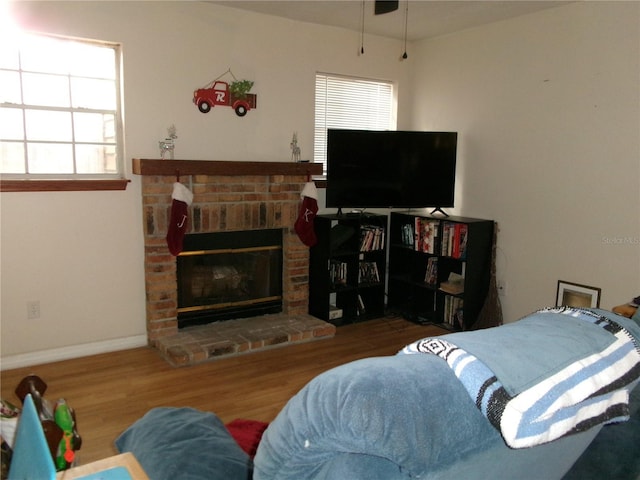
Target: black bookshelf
x=347 y=268
x=427 y=251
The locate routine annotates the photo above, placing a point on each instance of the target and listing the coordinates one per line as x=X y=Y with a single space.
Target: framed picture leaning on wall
x=575 y=295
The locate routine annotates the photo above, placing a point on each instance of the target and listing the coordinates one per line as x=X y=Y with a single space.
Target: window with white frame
x=60 y=115
x=350 y=103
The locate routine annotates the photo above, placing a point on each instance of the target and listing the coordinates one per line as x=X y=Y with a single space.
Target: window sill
x=62 y=185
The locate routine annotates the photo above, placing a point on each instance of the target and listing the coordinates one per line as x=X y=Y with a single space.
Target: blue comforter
x=410 y=416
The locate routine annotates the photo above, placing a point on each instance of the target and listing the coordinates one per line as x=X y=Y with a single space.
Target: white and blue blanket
x=556 y=372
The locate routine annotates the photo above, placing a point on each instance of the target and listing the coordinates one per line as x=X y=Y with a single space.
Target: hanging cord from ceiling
x=362 y=30
x=406 y=22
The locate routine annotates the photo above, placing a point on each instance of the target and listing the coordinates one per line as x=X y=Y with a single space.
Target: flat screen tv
x=390 y=169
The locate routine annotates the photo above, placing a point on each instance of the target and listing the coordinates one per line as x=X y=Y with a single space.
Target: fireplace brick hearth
x=236 y=337
x=235 y=200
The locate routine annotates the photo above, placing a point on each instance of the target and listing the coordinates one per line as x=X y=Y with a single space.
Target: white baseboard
x=70 y=352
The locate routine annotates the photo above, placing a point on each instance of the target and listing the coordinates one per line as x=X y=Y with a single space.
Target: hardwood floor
x=110 y=391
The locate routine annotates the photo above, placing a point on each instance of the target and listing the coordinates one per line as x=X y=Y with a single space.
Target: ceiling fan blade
x=385 y=6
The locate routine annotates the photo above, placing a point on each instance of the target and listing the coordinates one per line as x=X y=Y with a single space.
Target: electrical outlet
x=33 y=310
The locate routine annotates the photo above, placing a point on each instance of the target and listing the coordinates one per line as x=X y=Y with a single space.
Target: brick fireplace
x=228 y=196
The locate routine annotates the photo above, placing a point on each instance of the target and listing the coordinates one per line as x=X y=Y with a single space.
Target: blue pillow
x=185 y=443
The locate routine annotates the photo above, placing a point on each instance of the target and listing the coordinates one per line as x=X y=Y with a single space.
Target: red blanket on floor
x=247 y=433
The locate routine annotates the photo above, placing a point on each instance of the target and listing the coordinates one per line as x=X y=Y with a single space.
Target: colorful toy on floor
x=65 y=454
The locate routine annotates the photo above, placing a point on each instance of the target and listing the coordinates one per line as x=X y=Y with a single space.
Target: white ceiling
x=426 y=18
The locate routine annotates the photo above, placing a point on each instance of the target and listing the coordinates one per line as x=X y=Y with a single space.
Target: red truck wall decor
x=219 y=92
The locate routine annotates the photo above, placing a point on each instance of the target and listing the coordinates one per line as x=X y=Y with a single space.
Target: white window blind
x=60 y=114
x=350 y=103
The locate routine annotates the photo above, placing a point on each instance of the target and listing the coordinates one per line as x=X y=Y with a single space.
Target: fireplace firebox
x=228 y=275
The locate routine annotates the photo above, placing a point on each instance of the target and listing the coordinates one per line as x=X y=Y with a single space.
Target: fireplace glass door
x=229 y=275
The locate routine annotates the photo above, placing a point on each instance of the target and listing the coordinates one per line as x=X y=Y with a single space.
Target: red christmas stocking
x=178 y=223
x=304 y=225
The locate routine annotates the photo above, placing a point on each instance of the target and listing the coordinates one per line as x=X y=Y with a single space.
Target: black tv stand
x=438 y=209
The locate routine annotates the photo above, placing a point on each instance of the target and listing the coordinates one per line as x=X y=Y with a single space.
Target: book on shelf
x=453 y=285
x=454 y=312
x=458 y=318
x=360 y=306
x=368 y=273
x=431 y=274
x=454 y=240
x=371 y=238
x=421 y=234
x=425 y=234
x=407 y=235
x=337 y=273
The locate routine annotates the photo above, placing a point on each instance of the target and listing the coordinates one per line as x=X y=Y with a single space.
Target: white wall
x=81 y=254
x=548 y=110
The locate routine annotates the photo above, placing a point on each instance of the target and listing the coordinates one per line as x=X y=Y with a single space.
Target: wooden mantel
x=146 y=166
